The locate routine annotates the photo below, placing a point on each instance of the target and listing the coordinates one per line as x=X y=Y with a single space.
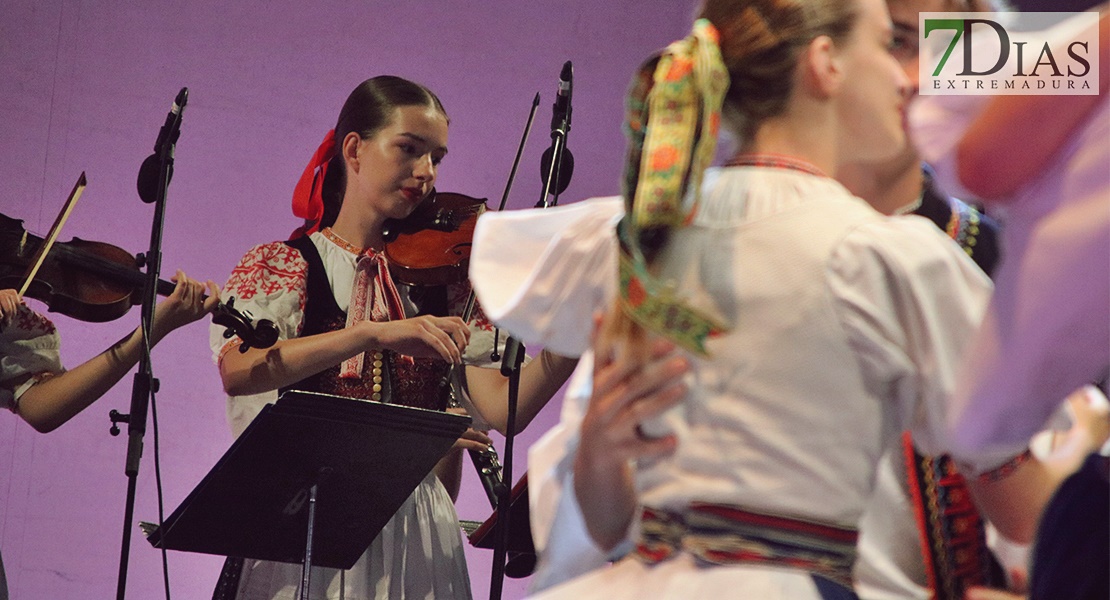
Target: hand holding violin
x=54 y=400
x=186 y=304
x=423 y=337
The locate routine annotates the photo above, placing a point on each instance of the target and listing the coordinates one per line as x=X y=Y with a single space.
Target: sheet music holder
x=521 y=550
x=365 y=457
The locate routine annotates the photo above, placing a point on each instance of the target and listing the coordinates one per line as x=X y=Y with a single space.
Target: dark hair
x=368 y=109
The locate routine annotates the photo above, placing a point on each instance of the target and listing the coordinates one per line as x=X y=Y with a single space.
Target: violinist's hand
x=471 y=439
x=423 y=337
x=186 y=304
x=9 y=304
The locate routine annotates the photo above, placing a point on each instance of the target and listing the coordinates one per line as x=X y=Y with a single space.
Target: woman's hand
x=471 y=439
x=9 y=304
x=636 y=385
x=1091 y=419
x=423 y=337
x=186 y=304
x=627 y=392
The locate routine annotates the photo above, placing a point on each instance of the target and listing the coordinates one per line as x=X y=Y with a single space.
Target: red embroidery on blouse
x=268 y=269
x=29 y=320
x=457 y=295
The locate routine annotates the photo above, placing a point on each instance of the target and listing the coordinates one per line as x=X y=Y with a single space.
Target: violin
x=432 y=245
x=98 y=282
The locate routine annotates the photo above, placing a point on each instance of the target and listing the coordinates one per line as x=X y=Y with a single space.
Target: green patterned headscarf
x=674 y=114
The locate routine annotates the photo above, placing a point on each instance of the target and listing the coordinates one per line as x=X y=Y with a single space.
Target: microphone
x=557 y=176
x=168 y=134
x=172 y=129
x=561 y=110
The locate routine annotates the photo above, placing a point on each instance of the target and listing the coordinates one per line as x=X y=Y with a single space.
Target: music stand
x=521 y=550
x=362 y=459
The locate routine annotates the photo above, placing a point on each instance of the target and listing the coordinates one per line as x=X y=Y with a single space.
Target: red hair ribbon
x=308 y=201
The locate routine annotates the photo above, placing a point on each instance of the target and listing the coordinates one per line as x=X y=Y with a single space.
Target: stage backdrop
x=85 y=85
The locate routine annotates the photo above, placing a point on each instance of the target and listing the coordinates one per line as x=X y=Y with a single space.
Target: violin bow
x=469 y=309
x=55 y=230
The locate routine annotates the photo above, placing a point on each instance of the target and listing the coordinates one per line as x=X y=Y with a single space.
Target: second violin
x=98 y=282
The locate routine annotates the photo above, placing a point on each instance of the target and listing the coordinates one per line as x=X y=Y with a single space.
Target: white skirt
x=417 y=555
x=680 y=578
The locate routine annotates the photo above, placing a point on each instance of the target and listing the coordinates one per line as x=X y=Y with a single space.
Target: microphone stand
x=511 y=361
x=510 y=367
x=560 y=127
x=552 y=179
x=514 y=350
x=144 y=382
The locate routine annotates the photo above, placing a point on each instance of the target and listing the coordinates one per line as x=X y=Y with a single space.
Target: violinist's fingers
x=478 y=436
x=468 y=444
x=179 y=289
x=451 y=334
x=459 y=332
x=9 y=304
x=436 y=339
x=213 y=296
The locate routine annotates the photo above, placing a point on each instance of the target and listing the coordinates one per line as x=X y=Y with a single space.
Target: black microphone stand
x=510 y=367
x=555 y=181
x=144 y=382
x=554 y=177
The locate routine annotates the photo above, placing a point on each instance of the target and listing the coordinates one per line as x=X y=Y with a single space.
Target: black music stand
x=521 y=551
x=361 y=459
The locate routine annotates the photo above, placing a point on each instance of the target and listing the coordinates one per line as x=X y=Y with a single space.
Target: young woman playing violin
x=347 y=328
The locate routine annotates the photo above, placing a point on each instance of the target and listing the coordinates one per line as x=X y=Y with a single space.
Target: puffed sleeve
x=563 y=544
x=543 y=273
x=910 y=303
x=268 y=283
x=29 y=352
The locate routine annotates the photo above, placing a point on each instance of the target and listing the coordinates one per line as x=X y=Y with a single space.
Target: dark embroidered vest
x=952 y=535
x=386 y=376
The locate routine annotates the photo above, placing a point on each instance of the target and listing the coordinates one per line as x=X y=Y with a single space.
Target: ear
x=349 y=149
x=822 y=67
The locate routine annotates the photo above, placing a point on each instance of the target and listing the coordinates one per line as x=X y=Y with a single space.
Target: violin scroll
x=254 y=335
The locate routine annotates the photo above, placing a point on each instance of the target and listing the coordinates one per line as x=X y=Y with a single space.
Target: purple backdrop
x=86 y=84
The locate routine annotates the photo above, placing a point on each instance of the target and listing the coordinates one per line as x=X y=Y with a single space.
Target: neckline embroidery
x=775 y=161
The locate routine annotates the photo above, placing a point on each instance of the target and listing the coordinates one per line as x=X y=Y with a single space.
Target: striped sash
x=719 y=534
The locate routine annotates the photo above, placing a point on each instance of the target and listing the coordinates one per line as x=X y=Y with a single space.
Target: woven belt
x=718 y=534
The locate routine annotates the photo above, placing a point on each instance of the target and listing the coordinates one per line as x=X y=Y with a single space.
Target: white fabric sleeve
x=543 y=273
x=910 y=302
x=29 y=348
x=268 y=283
x=563 y=544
